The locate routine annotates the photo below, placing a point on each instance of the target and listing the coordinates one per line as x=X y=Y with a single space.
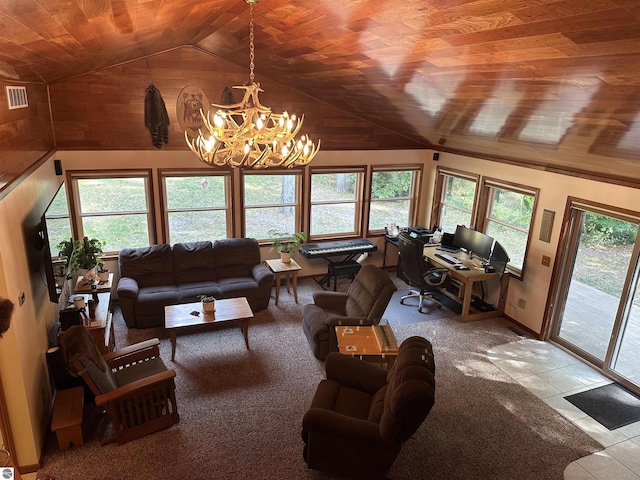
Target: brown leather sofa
x=361 y=415
x=159 y=275
x=363 y=304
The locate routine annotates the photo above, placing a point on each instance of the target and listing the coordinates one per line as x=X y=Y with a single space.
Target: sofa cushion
x=194 y=262
x=239 y=286
x=235 y=257
x=150 y=266
x=189 y=292
x=151 y=300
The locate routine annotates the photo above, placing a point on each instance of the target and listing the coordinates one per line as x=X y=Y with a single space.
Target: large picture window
x=196 y=207
x=335 y=203
x=114 y=209
x=393 y=197
x=271 y=203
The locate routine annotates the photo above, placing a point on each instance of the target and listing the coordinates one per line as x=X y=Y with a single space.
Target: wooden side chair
x=132 y=384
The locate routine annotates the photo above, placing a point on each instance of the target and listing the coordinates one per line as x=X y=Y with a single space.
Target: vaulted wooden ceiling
x=552 y=83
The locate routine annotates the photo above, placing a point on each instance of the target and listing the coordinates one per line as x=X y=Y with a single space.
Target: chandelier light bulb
x=248 y=134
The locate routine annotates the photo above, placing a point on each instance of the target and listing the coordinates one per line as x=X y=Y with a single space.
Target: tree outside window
x=335 y=205
x=270 y=203
x=508 y=222
x=456 y=206
x=392 y=198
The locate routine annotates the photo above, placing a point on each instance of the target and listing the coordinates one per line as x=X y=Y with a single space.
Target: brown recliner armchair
x=132 y=384
x=363 y=304
x=361 y=414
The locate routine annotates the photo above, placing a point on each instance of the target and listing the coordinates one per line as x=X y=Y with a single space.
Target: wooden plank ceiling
x=546 y=82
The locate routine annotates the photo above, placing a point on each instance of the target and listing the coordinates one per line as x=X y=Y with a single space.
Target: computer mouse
x=461 y=267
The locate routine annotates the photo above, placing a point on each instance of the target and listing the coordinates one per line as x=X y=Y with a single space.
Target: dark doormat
x=611 y=405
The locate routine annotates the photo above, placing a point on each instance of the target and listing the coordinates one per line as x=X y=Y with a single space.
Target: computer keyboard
x=448 y=258
x=448 y=249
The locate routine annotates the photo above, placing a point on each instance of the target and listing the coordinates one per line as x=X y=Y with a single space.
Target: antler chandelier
x=248 y=134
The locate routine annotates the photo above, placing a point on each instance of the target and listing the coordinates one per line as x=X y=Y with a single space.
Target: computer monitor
x=472 y=241
x=499 y=258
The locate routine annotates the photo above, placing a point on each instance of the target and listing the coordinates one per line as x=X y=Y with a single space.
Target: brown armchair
x=132 y=384
x=361 y=414
x=363 y=304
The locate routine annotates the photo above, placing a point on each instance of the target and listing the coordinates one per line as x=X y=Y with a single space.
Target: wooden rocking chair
x=132 y=384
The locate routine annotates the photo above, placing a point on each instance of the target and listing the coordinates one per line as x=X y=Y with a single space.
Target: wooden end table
x=289 y=270
x=228 y=311
x=369 y=342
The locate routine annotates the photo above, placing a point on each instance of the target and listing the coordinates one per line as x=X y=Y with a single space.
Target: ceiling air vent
x=17 y=97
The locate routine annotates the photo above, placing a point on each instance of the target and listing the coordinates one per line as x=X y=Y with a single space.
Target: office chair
x=417 y=272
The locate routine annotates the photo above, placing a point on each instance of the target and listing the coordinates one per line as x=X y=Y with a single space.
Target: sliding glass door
x=596 y=312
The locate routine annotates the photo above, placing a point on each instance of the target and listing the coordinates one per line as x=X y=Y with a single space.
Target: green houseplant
x=286 y=243
x=82 y=254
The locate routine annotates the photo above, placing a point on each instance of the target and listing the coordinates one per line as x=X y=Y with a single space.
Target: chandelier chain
x=251 y=48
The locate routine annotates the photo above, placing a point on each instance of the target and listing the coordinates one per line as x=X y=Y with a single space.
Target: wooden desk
x=290 y=269
x=467 y=278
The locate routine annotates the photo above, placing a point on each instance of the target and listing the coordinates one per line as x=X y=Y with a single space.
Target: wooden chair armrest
x=133 y=388
x=132 y=353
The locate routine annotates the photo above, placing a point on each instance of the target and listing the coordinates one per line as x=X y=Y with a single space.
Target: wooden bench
x=67 y=417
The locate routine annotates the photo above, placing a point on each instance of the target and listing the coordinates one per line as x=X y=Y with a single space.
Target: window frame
x=487 y=194
x=163 y=174
x=439 y=192
x=358 y=201
x=413 y=197
x=77 y=216
x=297 y=202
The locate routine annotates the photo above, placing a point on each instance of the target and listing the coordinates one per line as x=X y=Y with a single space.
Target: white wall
x=23 y=369
x=555 y=189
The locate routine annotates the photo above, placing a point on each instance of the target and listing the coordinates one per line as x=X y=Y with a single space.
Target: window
x=393 y=197
x=114 y=209
x=457 y=200
x=335 y=203
x=508 y=220
x=196 y=207
x=58 y=221
x=271 y=203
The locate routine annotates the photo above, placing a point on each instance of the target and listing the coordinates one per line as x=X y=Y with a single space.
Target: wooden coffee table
x=228 y=311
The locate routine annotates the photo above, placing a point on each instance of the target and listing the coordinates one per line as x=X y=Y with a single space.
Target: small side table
x=289 y=270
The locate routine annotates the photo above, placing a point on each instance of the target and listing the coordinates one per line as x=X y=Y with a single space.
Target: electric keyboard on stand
x=340 y=247
x=348 y=249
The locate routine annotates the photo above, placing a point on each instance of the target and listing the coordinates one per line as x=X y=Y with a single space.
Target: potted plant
x=82 y=254
x=208 y=303
x=286 y=243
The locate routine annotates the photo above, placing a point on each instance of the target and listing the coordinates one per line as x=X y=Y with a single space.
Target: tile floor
x=551 y=373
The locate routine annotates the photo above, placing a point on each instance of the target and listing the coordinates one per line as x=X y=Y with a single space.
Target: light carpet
x=241 y=410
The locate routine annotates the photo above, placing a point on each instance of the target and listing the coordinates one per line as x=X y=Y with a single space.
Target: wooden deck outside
x=588 y=321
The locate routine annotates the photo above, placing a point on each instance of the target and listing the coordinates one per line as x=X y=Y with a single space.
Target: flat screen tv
x=55 y=227
x=474 y=242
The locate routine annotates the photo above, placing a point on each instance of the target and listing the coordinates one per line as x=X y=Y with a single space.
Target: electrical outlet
x=546 y=260
x=522 y=304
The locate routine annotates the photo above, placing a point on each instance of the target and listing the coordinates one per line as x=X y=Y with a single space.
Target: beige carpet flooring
x=241 y=410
